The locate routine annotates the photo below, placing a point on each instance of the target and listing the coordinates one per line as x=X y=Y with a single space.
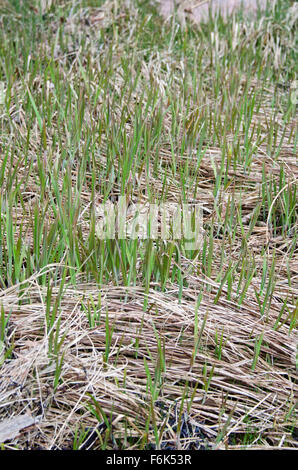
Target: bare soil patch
x=199 y=10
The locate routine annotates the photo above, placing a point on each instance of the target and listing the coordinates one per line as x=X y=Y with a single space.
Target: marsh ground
x=153 y=345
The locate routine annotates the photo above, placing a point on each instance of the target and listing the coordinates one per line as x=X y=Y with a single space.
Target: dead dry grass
x=263 y=397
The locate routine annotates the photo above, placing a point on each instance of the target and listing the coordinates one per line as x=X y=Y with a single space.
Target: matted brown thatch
x=239 y=398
